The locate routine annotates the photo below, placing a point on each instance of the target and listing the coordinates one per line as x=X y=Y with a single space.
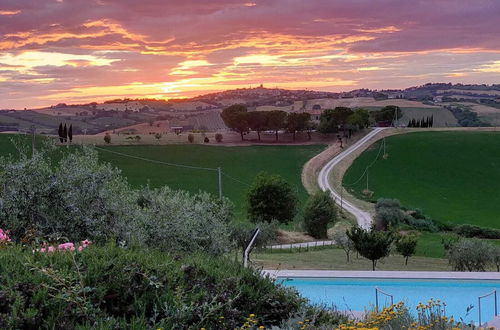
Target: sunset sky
x=76 y=51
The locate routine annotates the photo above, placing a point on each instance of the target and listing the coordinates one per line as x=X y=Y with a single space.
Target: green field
x=452 y=176
x=240 y=164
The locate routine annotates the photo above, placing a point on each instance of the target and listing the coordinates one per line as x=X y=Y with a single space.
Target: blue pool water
x=358 y=294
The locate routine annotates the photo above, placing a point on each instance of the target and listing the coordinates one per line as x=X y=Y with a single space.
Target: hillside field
x=240 y=163
x=452 y=176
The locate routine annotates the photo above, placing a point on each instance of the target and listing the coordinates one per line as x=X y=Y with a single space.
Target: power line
x=234 y=179
x=157 y=161
x=382 y=147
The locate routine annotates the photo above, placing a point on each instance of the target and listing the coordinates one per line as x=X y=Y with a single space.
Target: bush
x=80 y=198
x=218 y=137
x=319 y=212
x=471 y=255
x=206 y=140
x=190 y=138
x=471 y=231
x=114 y=288
x=388 y=213
x=271 y=198
x=241 y=233
x=107 y=138
x=406 y=246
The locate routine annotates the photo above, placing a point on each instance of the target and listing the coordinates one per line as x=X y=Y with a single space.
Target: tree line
x=238 y=118
x=424 y=122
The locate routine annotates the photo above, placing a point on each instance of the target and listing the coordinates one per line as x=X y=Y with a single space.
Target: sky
x=77 y=51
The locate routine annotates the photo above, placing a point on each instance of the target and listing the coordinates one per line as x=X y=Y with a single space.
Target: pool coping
x=382 y=274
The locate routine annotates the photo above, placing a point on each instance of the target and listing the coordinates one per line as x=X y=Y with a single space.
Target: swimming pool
x=358 y=294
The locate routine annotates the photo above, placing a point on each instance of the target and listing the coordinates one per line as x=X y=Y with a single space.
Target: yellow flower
x=252 y=315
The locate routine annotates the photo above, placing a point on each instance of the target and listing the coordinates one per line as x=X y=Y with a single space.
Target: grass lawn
x=335 y=259
x=240 y=163
x=452 y=176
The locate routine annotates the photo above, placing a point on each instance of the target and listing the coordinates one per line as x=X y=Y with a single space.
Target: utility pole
x=219 y=172
x=367 y=180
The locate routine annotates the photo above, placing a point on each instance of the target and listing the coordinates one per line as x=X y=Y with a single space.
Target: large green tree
x=406 y=245
x=359 y=118
x=341 y=116
x=327 y=122
x=276 y=121
x=257 y=121
x=319 y=212
x=236 y=118
x=388 y=113
x=297 y=122
x=271 y=198
x=373 y=245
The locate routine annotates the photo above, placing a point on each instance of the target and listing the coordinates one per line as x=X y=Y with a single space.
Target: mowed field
x=240 y=165
x=452 y=176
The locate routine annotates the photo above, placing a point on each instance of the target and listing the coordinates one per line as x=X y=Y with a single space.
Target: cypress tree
x=409 y=123
x=60 y=132
x=70 y=133
x=65 y=133
x=432 y=120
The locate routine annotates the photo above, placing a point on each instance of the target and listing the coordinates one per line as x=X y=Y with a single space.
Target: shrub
x=218 y=137
x=471 y=231
x=388 y=213
x=115 y=288
x=319 y=212
x=471 y=255
x=241 y=234
x=80 y=198
x=107 y=138
x=190 y=138
x=206 y=140
x=271 y=198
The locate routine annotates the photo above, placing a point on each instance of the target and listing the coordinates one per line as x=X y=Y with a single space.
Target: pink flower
x=66 y=246
x=80 y=248
x=51 y=249
x=85 y=243
x=4 y=236
x=42 y=250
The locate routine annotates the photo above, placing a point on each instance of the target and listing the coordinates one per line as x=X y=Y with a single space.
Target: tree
x=158 y=136
x=191 y=138
x=70 y=133
x=388 y=213
x=60 y=132
x=65 y=133
x=107 y=138
x=373 y=245
x=257 y=121
x=241 y=233
x=341 y=116
x=344 y=242
x=206 y=139
x=236 y=118
x=359 y=118
x=218 y=137
x=297 y=122
x=271 y=198
x=406 y=246
x=319 y=212
x=328 y=122
x=276 y=120
x=471 y=255
x=388 y=113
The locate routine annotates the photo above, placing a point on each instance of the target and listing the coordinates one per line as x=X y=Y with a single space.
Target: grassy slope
x=241 y=163
x=451 y=176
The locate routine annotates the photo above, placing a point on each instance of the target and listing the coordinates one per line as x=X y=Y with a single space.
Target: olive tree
x=344 y=242
x=471 y=255
x=406 y=245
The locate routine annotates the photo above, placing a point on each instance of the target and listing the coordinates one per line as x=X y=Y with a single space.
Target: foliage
x=430 y=316
x=206 y=139
x=388 y=213
x=470 y=231
x=328 y=122
x=158 y=136
x=190 y=138
x=241 y=233
x=235 y=117
x=471 y=255
x=218 y=137
x=359 y=118
x=271 y=198
x=107 y=138
x=39 y=200
x=297 y=122
x=276 y=120
x=115 y=288
x=406 y=245
x=387 y=113
x=373 y=245
x=319 y=212
x=344 y=242
x=257 y=121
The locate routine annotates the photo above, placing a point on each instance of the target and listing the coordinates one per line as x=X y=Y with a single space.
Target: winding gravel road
x=363 y=218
